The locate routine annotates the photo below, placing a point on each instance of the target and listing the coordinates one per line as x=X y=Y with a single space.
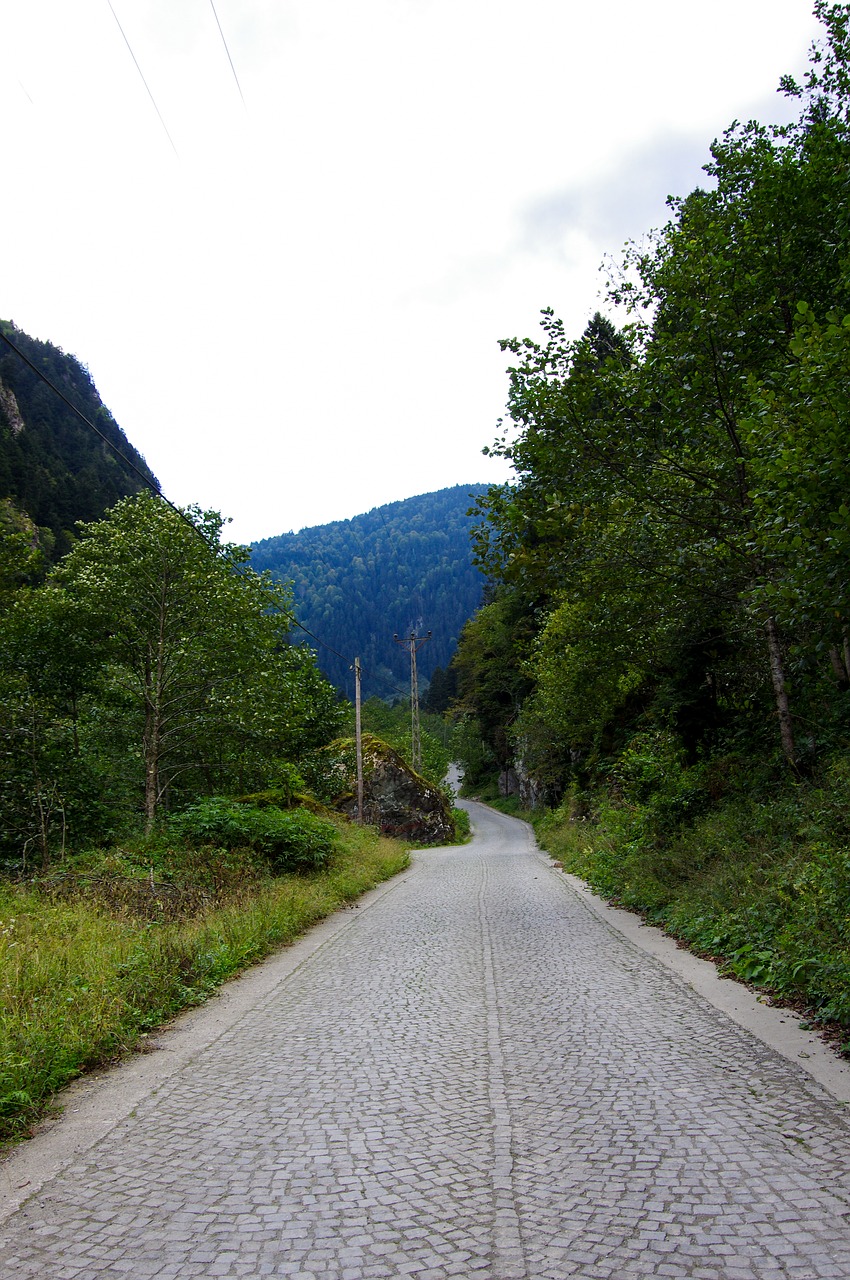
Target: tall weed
x=79 y=985
x=757 y=877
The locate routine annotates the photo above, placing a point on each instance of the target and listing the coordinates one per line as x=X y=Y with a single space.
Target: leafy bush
x=758 y=878
x=463 y=830
x=655 y=780
x=288 y=786
x=291 y=840
x=474 y=755
x=298 y=840
x=81 y=984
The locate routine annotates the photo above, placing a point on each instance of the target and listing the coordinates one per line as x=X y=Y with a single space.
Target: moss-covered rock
x=396 y=799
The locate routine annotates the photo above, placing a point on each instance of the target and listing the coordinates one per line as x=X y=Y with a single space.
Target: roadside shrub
x=655 y=782
x=291 y=840
x=288 y=788
x=756 y=877
x=463 y=831
x=298 y=840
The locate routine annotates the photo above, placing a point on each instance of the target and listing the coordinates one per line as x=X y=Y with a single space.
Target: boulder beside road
x=396 y=799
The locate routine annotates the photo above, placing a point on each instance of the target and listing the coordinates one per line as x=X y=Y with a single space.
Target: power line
x=145 y=479
x=144 y=81
x=88 y=422
x=324 y=644
x=229 y=59
x=388 y=684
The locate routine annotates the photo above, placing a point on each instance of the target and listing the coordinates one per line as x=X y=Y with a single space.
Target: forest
x=663 y=663
x=356 y=583
x=658 y=676
x=53 y=466
x=168 y=755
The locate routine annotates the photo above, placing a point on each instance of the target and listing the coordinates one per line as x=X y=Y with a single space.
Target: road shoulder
x=781 y=1029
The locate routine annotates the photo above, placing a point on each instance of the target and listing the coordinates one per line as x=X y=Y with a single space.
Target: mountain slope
x=404 y=566
x=52 y=466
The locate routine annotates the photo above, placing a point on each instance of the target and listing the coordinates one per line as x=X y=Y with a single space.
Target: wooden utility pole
x=358 y=739
x=413 y=643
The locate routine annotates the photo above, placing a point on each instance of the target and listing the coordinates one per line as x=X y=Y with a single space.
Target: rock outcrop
x=396 y=799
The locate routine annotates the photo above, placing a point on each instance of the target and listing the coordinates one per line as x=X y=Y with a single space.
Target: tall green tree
x=647 y=460
x=801 y=507
x=196 y=646
x=22 y=559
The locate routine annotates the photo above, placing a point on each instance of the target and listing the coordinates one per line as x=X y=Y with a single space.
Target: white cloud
x=296 y=317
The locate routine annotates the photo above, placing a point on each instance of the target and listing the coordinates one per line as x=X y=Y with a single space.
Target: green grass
x=463 y=828
x=82 y=979
x=758 y=878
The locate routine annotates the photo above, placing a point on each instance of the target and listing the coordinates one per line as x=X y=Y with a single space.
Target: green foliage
x=358 y=582
x=392 y=725
x=22 y=559
x=82 y=983
x=491 y=680
x=747 y=868
x=674 y=550
x=442 y=691
x=153 y=667
x=199 y=648
x=463 y=828
x=586 y=666
x=801 y=513
x=288 y=784
x=675 y=553
x=475 y=757
x=291 y=840
x=52 y=466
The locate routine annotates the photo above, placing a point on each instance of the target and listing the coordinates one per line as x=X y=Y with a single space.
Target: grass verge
x=758 y=881
x=79 y=984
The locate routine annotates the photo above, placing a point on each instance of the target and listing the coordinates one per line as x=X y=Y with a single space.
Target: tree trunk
x=151 y=753
x=780 y=691
x=152 y=741
x=154 y=713
x=838 y=668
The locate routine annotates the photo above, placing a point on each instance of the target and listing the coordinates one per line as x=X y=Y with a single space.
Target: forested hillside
x=667 y=653
x=52 y=466
x=358 y=582
x=143 y=665
x=159 y=732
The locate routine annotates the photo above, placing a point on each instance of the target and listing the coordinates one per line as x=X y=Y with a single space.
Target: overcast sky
x=292 y=303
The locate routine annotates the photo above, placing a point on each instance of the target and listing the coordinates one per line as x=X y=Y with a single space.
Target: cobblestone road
x=475 y=1078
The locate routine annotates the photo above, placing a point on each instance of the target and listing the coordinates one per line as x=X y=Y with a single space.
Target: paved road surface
x=475 y=1077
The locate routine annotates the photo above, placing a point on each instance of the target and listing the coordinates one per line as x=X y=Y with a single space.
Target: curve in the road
x=473 y=1075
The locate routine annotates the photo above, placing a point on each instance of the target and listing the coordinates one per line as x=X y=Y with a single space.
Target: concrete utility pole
x=413 y=643
x=358 y=738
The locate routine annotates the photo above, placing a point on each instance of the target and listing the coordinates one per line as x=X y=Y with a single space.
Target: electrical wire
x=350 y=661
x=143 y=476
x=229 y=59
x=144 y=81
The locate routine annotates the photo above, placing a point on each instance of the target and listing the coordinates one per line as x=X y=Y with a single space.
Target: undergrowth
x=753 y=871
x=83 y=975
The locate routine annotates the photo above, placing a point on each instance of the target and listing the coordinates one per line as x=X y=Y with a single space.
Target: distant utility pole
x=413 y=643
x=358 y=739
